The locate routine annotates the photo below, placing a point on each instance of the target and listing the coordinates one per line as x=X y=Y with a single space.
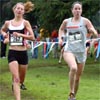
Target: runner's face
x=19 y=10
x=77 y=10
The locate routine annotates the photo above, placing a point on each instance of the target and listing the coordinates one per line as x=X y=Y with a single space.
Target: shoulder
x=26 y=22
x=86 y=20
x=65 y=21
x=7 y=22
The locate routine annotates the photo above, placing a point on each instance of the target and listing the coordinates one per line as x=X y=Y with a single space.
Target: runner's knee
x=73 y=69
x=16 y=80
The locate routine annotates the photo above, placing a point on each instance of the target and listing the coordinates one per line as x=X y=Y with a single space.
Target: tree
x=50 y=13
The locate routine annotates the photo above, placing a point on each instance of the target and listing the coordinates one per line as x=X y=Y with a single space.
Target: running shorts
x=80 y=56
x=20 y=56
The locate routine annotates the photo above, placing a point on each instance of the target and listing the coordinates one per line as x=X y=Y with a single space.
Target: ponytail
x=29 y=6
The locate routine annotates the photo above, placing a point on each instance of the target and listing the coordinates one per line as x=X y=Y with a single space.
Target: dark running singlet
x=13 y=40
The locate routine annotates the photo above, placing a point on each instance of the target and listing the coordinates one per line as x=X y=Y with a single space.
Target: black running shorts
x=20 y=56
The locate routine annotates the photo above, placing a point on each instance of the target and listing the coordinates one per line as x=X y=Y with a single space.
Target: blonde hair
x=28 y=6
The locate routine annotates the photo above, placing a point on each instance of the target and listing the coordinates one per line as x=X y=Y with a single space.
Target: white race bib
x=16 y=40
x=77 y=36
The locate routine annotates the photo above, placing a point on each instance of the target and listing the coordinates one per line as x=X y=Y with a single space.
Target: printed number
x=75 y=36
x=78 y=36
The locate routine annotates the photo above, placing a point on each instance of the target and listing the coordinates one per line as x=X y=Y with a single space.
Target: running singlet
x=76 y=36
x=13 y=40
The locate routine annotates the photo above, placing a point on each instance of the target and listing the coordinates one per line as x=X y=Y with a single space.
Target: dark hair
x=77 y=2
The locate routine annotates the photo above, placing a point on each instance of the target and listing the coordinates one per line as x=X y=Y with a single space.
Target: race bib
x=16 y=40
x=76 y=36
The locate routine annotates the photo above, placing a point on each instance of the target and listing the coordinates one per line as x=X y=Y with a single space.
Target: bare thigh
x=70 y=60
x=14 y=68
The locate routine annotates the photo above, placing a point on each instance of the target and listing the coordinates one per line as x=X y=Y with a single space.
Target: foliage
x=50 y=13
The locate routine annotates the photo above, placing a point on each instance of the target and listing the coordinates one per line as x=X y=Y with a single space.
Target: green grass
x=48 y=80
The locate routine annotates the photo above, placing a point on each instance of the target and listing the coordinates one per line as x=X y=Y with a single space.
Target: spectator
x=36 y=34
x=54 y=38
x=3 y=47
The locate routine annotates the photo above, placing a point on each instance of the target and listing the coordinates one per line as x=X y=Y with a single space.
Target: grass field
x=48 y=80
